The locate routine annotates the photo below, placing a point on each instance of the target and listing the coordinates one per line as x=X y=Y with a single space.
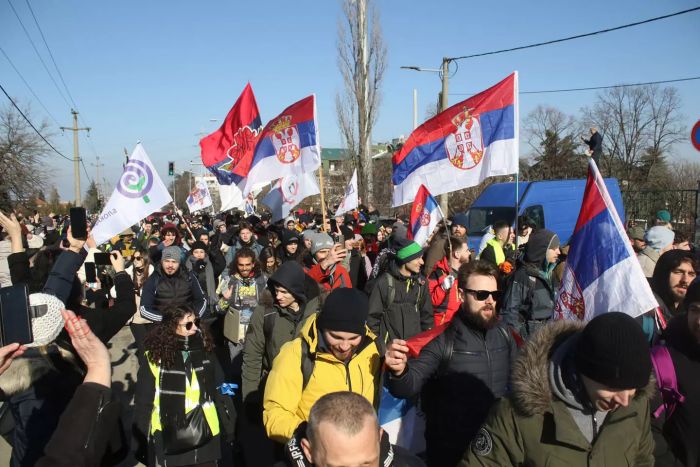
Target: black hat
x=614 y=352
x=406 y=250
x=345 y=310
x=199 y=246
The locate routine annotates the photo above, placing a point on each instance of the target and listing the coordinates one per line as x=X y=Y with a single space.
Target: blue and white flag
x=402 y=422
x=602 y=271
x=199 y=197
x=289 y=191
x=139 y=193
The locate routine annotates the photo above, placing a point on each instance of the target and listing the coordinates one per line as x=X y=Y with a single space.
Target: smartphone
x=15 y=321
x=78 y=223
x=102 y=259
x=90 y=273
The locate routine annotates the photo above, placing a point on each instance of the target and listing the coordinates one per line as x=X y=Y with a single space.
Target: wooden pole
x=323 y=202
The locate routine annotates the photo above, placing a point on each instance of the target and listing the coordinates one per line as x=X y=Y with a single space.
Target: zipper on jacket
x=488 y=361
x=347 y=375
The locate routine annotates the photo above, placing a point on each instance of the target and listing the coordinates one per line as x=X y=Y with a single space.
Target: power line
x=85 y=170
x=32 y=125
x=578 y=36
x=37 y=53
x=592 y=88
x=28 y=86
x=60 y=75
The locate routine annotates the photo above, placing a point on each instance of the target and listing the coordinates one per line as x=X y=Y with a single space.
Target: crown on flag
x=282 y=123
x=462 y=116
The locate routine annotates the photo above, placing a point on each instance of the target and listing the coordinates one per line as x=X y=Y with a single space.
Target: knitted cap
x=321 y=241
x=663 y=215
x=171 y=252
x=369 y=229
x=198 y=246
x=614 y=352
x=48 y=322
x=659 y=237
x=460 y=219
x=636 y=233
x=406 y=250
x=345 y=310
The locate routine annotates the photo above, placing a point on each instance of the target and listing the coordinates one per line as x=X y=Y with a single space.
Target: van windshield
x=481 y=218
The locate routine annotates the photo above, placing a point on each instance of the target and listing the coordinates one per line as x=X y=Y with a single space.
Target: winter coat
x=237 y=245
x=161 y=290
x=445 y=303
x=435 y=252
x=647 y=260
x=410 y=312
x=479 y=366
x=681 y=431
x=90 y=420
x=287 y=403
x=534 y=427
x=340 y=275
x=529 y=297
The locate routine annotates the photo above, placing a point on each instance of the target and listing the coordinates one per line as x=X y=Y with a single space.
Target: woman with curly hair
x=191 y=420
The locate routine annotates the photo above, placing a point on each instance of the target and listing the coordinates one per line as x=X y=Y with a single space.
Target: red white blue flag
x=228 y=152
x=462 y=146
x=602 y=271
x=425 y=215
x=288 y=145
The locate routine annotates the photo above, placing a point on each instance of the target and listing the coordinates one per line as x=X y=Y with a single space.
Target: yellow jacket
x=286 y=403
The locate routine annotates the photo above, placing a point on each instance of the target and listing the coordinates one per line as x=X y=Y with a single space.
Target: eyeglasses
x=188 y=325
x=482 y=295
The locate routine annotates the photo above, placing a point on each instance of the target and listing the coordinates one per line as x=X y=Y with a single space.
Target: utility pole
x=97 y=166
x=444 y=205
x=76 y=155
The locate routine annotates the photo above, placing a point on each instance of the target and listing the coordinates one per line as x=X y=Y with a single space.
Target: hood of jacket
x=659 y=281
x=678 y=336
x=532 y=393
x=536 y=247
x=289 y=275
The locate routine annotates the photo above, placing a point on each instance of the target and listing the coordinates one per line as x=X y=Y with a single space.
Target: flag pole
x=447 y=231
x=323 y=202
x=517 y=207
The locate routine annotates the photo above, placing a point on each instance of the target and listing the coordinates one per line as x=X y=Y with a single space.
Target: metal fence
x=641 y=208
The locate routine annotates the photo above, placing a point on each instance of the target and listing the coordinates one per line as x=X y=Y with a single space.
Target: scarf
x=212 y=298
x=331 y=272
x=173 y=381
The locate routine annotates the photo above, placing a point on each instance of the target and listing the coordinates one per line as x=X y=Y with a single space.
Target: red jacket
x=445 y=304
x=341 y=278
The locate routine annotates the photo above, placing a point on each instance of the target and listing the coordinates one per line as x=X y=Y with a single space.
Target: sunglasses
x=188 y=325
x=482 y=295
x=137 y=258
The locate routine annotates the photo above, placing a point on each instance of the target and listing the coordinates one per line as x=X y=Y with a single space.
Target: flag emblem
x=425 y=218
x=243 y=143
x=465 y=147
x=570 y=298
x=136 y=180
x=285 y=139
x=290 y=190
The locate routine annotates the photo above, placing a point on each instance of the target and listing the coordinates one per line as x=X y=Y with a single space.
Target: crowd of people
x=271 y=344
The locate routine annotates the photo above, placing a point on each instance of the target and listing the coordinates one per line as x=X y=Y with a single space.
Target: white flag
x=350 y=200
x=139 y=193
x=199 y=197
x=289 y=191
x=231 y=197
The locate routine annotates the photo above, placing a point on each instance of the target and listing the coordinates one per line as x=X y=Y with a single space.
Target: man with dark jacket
x=201 y=263
x=171 y=284
x=677 y=442
x=580 y=396
x=399 y=303
x=595 y=145
x=464 y=369
x=529 y=299
x=245 y=239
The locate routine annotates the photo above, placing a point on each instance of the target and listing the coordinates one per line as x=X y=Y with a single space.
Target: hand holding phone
x=15 y=318
x=78 y=223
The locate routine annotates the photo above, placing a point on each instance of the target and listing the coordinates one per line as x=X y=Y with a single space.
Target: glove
x=447 y=282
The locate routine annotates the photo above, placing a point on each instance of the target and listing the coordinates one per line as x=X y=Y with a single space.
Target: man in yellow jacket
x=335 y=351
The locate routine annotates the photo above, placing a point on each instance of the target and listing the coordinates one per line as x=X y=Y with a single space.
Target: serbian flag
x=228 y=152
x=462 y=146
x=425 y=215
x=602 y=271
x=288 y=145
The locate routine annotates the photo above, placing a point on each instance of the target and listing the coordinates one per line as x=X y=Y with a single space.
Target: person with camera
x=327 y=256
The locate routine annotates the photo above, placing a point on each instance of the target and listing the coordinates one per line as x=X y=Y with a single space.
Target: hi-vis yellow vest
x=498 y=249
x=192 y=393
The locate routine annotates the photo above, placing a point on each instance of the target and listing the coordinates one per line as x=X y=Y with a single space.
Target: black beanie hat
x=613 y=351
x=198 y=245
x=345 y=310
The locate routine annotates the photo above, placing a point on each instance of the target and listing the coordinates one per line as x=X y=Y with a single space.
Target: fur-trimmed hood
x=34 y=365
x=531 y=388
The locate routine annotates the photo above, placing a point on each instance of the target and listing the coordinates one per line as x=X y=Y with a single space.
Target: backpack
x=666 y=381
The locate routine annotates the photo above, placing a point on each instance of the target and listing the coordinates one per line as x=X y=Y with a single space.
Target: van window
x=536 y=213
x=481 y=218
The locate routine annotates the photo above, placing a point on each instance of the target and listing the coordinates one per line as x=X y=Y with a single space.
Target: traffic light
x=171 y=168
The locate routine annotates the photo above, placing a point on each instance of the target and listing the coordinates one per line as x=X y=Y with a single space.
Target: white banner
x=199 y=197
x=350 y=200
x=289 y=191
x=139 y=193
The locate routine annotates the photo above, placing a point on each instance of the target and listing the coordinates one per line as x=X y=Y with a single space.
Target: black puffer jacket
x=161 y=290
x=410 y=311
x=458 y=392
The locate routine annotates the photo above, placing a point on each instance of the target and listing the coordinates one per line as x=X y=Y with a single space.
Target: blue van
x=552 y=204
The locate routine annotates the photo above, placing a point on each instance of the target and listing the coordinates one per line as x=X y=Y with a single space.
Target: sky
x=160 y=72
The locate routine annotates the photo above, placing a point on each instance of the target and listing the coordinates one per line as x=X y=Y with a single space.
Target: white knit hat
x=48 y=325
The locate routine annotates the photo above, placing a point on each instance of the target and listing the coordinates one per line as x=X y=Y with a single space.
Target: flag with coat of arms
x=425 y=216
x=199 y=197
x=461 y=146
x=288 y=144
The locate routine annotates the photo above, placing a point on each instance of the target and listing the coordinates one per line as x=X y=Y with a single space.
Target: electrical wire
x=32 y=125
x=593 y=88
x=60 y=75
x=29 y=87
x=578 y=36
x=38 y=54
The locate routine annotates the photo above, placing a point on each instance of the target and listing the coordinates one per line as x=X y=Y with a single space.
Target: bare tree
x=543 y=120
x=639 y=127
x=22 y=152
x=362 y=62
x=685 y=174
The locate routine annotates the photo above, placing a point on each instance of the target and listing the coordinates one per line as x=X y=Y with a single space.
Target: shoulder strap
x=308 y=360
x=665 y=380
x=391 y=291
x=447 y=350
x=269 y=320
